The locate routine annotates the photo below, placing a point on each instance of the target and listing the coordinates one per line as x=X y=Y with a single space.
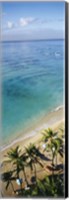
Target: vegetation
x=8 y=178
x=48 y=186
x=33 y=157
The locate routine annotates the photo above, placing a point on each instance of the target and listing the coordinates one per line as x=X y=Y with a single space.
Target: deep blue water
x=32 y=82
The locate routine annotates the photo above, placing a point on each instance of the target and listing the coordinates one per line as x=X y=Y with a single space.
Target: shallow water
x=32 y=82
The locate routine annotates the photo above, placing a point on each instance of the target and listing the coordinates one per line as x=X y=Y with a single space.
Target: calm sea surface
x=32 y=82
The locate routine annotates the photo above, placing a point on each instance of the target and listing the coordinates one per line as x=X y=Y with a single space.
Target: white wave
x=57 y=54
x=58 y=108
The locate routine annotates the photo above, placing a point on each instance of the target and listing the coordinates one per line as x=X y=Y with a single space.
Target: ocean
x=32 y=83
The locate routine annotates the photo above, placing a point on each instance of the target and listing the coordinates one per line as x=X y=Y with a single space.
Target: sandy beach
x=53 y=120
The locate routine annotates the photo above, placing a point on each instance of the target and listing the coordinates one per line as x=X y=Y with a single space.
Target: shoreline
x=22 y=131
x=50 y=120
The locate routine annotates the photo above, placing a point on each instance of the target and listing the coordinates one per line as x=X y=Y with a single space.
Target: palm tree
x=58 y=145
x=19 y=162
x=54 y=145
x=62 y=132
x=32 y=157
x=48 y=134
x=50 y=147
x=8 y=178
x=14 y=157
x=22 y=165
x=49 y=187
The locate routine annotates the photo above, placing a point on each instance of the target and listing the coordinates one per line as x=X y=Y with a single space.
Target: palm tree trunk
x=56 y=160
x=25 y=176
x=35 y=170
x=19 y=177
x=12 y=187
x=17 y=172
x=52 y=159
x=52 y=163
x=21 y=186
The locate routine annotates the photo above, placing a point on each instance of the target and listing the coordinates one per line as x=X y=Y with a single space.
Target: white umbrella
x=19 y=181
x=44 y=146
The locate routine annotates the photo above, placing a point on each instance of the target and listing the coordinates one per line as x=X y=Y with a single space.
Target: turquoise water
x=32 y=82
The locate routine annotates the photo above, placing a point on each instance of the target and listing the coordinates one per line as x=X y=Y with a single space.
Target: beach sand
x=54 y=120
